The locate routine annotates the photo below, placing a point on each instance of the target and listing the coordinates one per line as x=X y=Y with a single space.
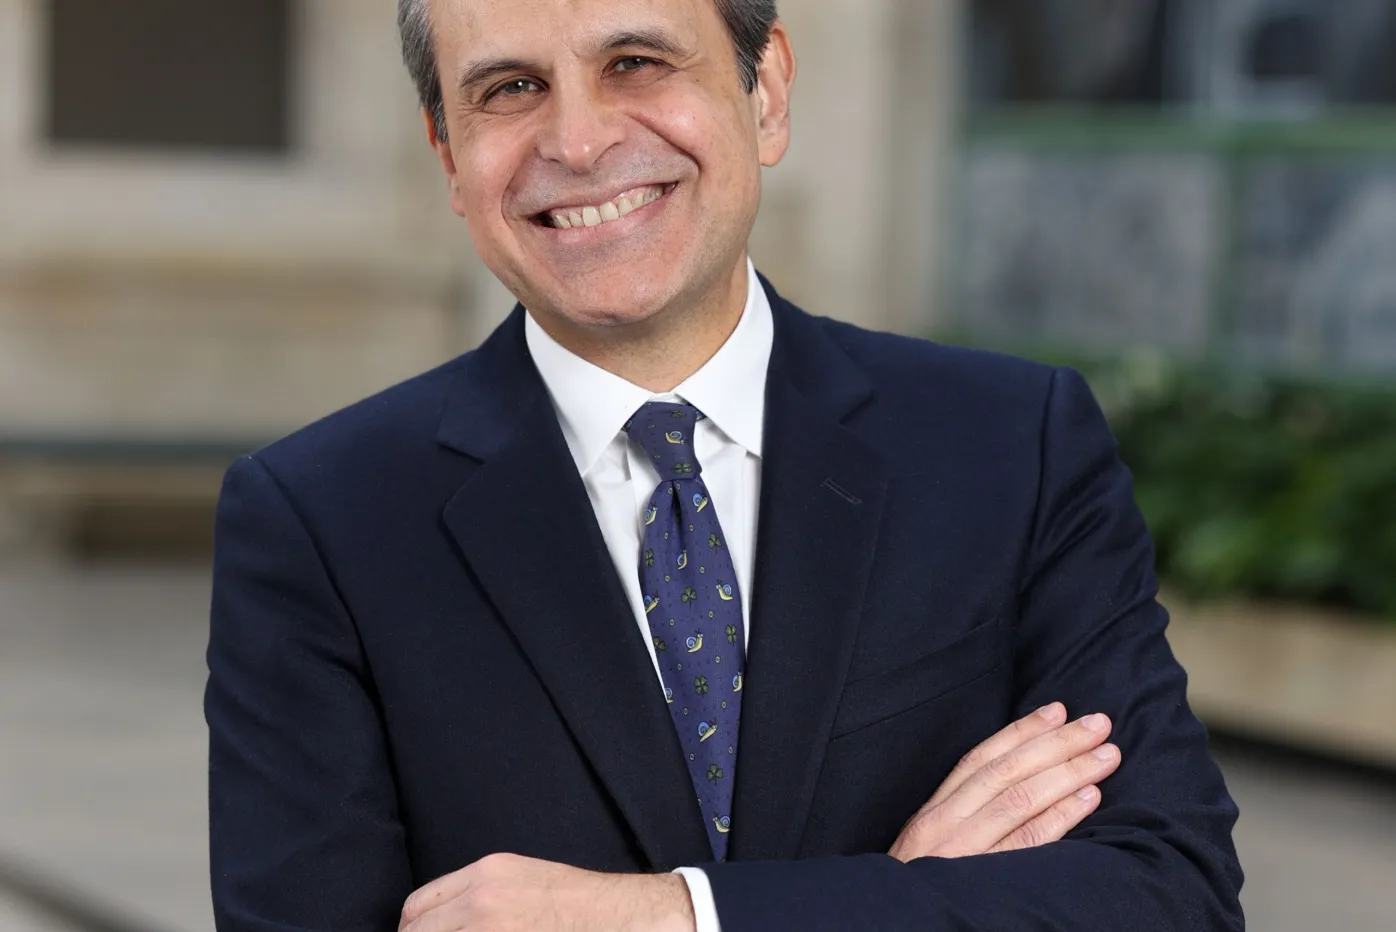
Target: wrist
x=656 y=903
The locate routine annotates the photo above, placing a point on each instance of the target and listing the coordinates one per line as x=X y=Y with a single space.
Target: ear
x=448 y=160
x=774 y=80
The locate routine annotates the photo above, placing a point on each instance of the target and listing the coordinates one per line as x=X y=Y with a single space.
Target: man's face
x=604 y=152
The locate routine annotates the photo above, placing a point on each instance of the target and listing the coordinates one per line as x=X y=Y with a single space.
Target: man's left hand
x=511 y=893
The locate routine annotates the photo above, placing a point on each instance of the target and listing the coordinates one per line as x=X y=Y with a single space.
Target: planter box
x=1302 y=676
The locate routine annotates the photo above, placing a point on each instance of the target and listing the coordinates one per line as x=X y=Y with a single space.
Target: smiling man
x=672 y=607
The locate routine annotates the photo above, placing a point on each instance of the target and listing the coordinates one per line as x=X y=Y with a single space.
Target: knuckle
x=492 y=866
x=972 y=760
x=1004 y=769
x=413 y=907
x=1017 y=800
x=1033 y=835
x=1066 y=815
x=915 y=842
x=923 y=829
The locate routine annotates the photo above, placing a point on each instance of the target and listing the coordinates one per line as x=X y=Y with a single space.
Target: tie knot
x=665 y=432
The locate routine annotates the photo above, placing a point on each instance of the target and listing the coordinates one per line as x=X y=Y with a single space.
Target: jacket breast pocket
x=870 y=699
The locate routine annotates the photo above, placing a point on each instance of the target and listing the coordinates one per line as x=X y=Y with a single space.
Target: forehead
x=472 y=28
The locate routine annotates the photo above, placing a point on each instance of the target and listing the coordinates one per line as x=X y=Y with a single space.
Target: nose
x=581 y=127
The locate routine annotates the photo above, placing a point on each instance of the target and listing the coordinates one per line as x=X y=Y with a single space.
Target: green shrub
x=1260 y=486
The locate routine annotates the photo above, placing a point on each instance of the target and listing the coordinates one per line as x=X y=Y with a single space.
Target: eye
x=634 y=63
x=515 y=87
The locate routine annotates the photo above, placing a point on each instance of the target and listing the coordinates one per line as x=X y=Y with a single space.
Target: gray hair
x=748 y=22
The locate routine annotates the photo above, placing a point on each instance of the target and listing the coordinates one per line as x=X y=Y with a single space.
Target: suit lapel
x=822 y=492
x=526 y=528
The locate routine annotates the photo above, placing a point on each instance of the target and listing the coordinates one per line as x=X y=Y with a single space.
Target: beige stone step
x=1317 y=678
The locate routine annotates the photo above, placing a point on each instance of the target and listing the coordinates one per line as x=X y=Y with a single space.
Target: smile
x=595 y=215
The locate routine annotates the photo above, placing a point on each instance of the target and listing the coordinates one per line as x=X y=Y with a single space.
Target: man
x=671 y=607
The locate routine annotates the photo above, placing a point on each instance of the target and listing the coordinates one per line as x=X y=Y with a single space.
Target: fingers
x=1039 y=723
x=1029 y=784
x=1034 y=757
x=1030 y=811
x=1015 y=808
x=1053 y=824
x=1021 y=796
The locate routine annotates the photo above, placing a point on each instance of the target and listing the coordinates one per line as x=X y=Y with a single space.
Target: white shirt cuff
x=701 y=892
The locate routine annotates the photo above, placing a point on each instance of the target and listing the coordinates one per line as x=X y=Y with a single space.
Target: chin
x=617 y=300
x=615 y=310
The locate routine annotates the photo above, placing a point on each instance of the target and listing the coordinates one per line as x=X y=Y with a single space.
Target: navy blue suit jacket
x=420 y=654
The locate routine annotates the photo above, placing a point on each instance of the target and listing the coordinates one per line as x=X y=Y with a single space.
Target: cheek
x=707 y=127
x=485 y=167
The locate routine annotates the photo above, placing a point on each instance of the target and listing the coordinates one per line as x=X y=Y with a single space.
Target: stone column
x=848 y=227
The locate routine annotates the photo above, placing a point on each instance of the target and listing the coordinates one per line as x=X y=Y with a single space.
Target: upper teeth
x=568 y=217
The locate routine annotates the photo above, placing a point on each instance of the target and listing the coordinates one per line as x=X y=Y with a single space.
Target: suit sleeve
x=303 y=824
x=1157 y=854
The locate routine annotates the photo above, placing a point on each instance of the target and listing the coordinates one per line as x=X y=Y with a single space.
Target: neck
x=659 y=353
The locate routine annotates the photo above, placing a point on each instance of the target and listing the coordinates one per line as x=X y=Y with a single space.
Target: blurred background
x=218 y=222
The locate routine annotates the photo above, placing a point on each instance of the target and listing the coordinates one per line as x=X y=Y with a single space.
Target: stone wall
x=154 y=293
x=197 y=294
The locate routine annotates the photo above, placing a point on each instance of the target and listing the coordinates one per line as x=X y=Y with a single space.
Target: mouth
x=583 y=216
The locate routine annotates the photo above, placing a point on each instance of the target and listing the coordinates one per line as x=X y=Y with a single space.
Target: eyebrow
x=481 y=71
x=655 y=40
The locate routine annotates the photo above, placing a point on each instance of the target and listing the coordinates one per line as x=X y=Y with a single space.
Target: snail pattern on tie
x=692 y=603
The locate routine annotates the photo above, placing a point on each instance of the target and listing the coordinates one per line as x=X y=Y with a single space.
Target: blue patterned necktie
x=694 y=610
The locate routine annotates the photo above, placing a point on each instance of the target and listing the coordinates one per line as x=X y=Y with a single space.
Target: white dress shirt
x=593 y=406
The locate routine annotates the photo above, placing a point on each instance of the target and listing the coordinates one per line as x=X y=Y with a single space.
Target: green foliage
x=1258 y=485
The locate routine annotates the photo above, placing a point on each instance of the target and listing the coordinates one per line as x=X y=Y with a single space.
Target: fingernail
x=1050 y=711
x=1094 y=722
x=1105 y=752
x=1086 y=794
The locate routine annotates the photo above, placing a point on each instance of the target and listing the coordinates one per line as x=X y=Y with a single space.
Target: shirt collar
x=730 y=389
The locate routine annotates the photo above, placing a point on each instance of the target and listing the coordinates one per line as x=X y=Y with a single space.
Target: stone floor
x=102 y=772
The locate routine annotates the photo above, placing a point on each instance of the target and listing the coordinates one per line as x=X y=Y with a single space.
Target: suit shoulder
x=932 y=401
x=397 y=419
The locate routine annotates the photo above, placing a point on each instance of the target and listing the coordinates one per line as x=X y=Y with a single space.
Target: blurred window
x=1200 y=176
x=1238 y=57
x=183 y=74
